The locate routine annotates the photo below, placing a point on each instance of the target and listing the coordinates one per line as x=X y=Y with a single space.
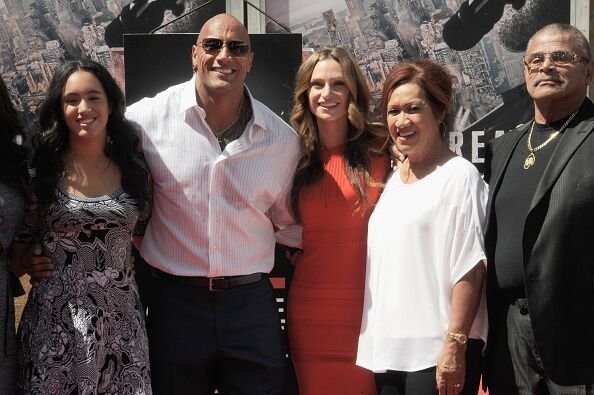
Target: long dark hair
x=362 y=135
x=52 y=141
x=13 y=154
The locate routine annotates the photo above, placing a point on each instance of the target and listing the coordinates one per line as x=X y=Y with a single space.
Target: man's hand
x=37 y=266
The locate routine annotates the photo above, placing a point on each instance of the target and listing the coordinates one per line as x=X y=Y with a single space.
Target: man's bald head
x=225 y=21
x=222 y=57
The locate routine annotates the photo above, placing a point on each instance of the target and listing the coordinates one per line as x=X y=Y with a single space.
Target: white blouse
x=423 y=238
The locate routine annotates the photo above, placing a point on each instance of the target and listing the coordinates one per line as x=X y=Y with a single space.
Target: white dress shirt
x=423 y=238
x=215 y=213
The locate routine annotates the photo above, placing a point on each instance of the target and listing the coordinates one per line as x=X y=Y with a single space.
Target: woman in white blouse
x=424 y=321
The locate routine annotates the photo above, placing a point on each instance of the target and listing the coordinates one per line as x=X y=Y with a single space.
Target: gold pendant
x=530 y=159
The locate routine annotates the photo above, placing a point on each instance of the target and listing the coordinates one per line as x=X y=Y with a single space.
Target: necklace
x=234 y=129
x=531 y=158
x=226 y=129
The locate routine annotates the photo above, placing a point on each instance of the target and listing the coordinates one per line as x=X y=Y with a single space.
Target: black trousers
x=423 y=381
x=517 y=368
x=228 y=340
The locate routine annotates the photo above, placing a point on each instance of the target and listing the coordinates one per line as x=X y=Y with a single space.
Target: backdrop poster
x=36 y=36
x=480 y=42
x=276 y=60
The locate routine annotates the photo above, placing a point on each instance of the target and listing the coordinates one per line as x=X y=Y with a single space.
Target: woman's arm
x=451 y=364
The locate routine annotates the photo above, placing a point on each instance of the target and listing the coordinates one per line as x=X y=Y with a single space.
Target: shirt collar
x=188 y=96
x=256 y=111
x=188 y=101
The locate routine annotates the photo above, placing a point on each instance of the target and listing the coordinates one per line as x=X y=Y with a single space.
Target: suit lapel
x=570 y=141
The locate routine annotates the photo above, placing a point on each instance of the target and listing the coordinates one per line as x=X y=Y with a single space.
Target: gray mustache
x=554 y=78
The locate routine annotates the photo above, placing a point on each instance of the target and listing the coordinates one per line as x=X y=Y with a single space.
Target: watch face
x=462 y=339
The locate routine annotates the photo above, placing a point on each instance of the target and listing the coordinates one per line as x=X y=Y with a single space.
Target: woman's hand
x=451 y=367
x=451 y=364
x=293 y=256
x=397 y=157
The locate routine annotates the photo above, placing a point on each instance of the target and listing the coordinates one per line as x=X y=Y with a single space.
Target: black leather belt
x=212 y=283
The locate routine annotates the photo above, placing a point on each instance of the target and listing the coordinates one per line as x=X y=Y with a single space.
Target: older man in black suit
x=540 y=229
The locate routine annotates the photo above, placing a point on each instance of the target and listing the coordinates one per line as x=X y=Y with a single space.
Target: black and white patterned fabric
x=83 y=329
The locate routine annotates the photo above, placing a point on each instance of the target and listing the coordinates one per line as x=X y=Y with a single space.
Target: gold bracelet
x=460 y=338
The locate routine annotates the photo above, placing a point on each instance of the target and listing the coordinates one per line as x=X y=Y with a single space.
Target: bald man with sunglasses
x=222 y=165
x=540 y=229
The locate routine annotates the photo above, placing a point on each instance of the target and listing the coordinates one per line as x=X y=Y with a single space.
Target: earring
x=109 y=146
x=443 y=130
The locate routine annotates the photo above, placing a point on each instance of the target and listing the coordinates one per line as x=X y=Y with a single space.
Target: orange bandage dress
x=325 y=300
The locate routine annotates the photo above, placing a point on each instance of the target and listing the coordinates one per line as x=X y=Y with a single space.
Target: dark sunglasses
x=214 y=45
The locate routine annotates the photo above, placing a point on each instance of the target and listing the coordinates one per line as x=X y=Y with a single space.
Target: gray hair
x=577 y=36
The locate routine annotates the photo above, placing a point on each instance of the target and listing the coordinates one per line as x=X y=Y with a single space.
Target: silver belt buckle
x=211 y=283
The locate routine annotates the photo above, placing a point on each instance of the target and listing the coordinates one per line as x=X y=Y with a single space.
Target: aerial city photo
x=38 y=35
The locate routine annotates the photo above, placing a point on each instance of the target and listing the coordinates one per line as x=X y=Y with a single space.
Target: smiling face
x=222 y=71
x=412 y=124
x=328 y=93
x=552 y=84
x=85 y=106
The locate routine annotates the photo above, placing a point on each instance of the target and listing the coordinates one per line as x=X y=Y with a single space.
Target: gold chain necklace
x=226 y=129
x=531 y=159
x=233 y=131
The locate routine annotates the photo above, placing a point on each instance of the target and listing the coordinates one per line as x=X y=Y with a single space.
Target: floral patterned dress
x=83 y=329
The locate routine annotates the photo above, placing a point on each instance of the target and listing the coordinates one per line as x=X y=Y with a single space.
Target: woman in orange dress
x=338 y=180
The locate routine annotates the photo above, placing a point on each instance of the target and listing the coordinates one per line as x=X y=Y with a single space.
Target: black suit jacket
x=558 y=251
